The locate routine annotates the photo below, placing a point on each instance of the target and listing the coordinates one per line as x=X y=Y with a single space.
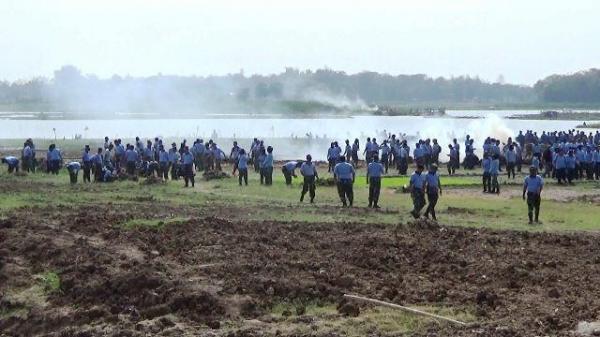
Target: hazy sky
x=522 y=39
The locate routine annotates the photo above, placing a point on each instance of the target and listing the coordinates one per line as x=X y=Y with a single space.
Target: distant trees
x=71 y=90
x=581 y=87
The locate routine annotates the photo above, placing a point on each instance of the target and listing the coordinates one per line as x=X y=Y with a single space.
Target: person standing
x=511 y=161
x=385 y=155
x=355 y=149
x=267 y=166
x=453 y=160
x=54 y=157
x=374 y=173
x=433 y=187
x=27 y=158
x=533 y=186
x=187 y=160
x=242 y=166
x=416 y=187
x=309 y=172
x=87 y=164
x=344 y=174
x=487 y=177
x=163 y=163
x=348 y=151
x=97 y=160
x=494 y=171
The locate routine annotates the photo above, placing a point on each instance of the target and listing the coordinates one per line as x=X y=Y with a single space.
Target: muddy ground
x=192 y=276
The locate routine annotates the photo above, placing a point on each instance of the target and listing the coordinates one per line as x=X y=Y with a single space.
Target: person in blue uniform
x=131 y=159
x=73 y=169
x=533 y=186
x=385 y=155
x=416 y=187
x=86 y=159
x=487 y=177
x=374 y=172
x=308 y=170
x=163 y=163
x=560 y=166
x=494 y=171
x=174 y=161
x=54 y=157
x=344 y=174
x=12 y=162
x=242 y=166
x=267 y=166
x=187 y=161
x=433 y=188
x=571 y=167
x=289 y=170
x=97 y=161
x=453 y=160
x=511 y=161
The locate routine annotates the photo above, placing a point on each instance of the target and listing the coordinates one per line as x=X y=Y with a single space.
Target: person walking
x=344 y=175
x=434 y=190
x=374 y=172
x=533 y=186
x=416 y=187
x=309 y=172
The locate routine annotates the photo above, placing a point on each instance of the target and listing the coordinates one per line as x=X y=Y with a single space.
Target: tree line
x=581 y=87
x=71 y=90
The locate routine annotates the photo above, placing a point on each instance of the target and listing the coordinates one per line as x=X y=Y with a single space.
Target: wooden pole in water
x=400 y=307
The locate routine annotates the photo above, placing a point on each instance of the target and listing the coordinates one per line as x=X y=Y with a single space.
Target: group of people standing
x=565 y=156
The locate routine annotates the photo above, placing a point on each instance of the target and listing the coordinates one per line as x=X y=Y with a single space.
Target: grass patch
x=381 y=319
x=50 y=282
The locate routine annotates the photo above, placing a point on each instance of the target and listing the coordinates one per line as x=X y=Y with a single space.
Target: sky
x=524 y=40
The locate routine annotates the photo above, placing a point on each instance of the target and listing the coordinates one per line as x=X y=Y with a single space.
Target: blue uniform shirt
x=268 y=161
x=495 y=167
x=560 y=162
x=511 y=156
x=343 y=171
x=571 y=162
x=187 y=158
x=54 y=155
x=486 y=163
x=290 y=166
x=131 y=156
x=534 y=184
x=417 y=181
x=163 y=157
x=433 y=182
x=375 y=170
x=74 y=166
x=85 y=157
x=308 y=169
x=27 y=152
x=12 y=161
x=242 y=162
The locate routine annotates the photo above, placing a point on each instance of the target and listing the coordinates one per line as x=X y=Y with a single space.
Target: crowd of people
x=565 y=156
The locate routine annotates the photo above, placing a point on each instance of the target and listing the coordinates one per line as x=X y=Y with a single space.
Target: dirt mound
x=211 y=175
x=152 y=180
x=193 y=273
x=325 y=182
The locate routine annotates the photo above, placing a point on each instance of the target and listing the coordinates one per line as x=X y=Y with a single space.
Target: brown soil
x=189 y=277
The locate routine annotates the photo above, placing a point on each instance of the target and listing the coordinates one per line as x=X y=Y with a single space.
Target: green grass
x=462 y=203
x=381 y=319
x=50 y=282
